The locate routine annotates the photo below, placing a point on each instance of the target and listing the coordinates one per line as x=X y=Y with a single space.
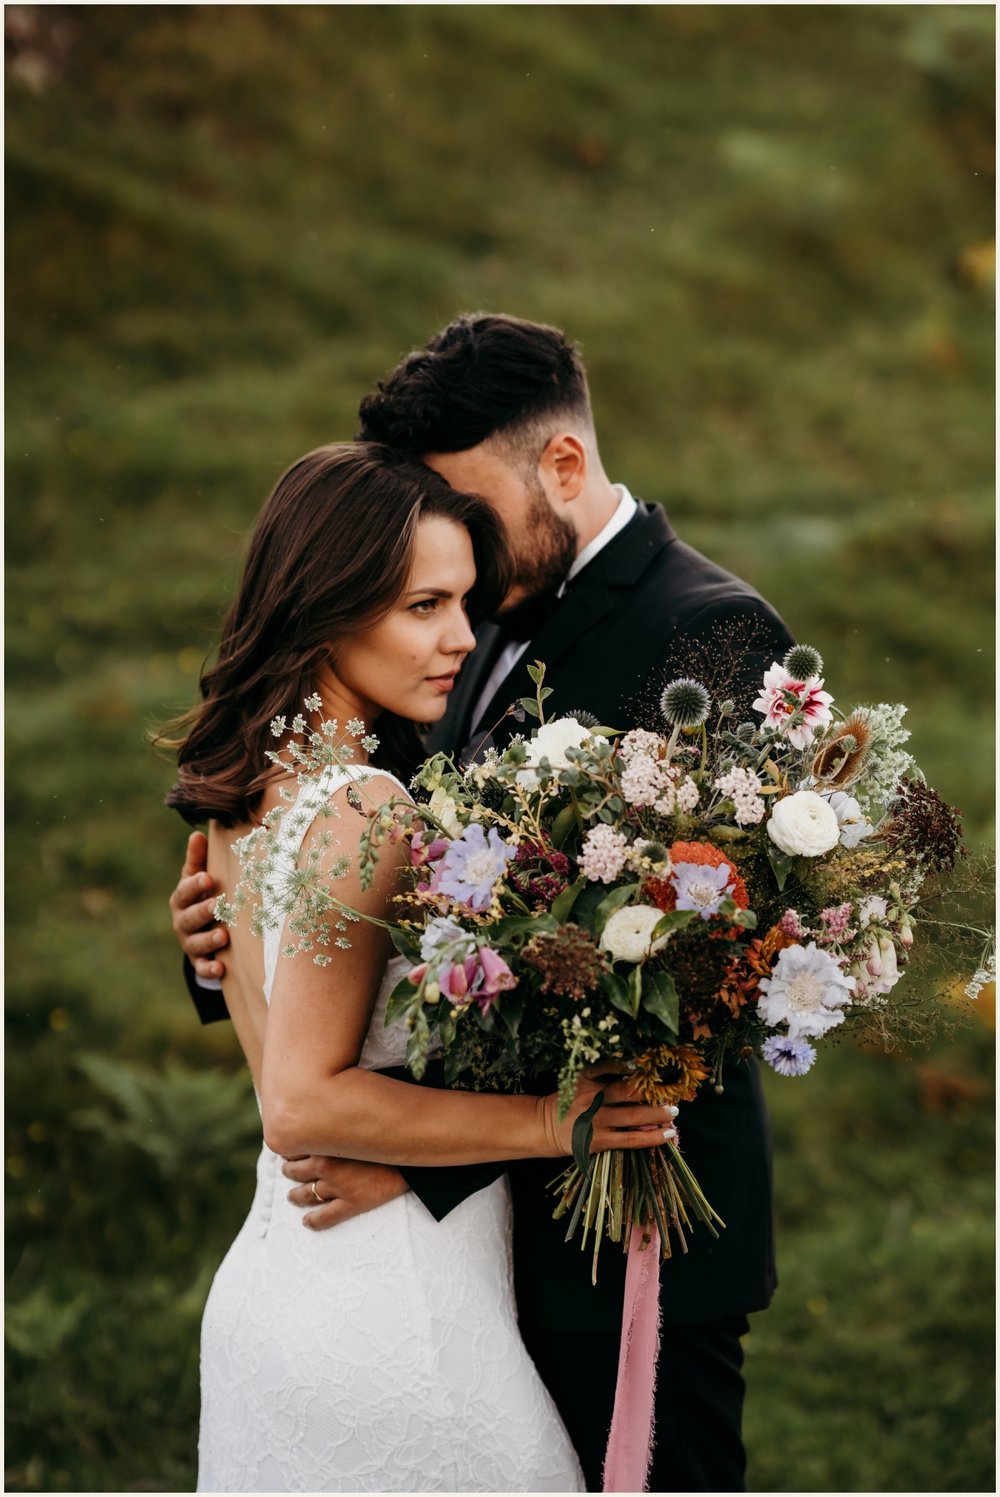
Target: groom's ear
x=562 y=467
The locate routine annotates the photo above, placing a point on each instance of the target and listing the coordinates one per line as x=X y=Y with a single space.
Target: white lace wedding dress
x=380 y=1355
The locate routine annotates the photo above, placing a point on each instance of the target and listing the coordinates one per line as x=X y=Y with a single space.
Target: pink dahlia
x=795 y=709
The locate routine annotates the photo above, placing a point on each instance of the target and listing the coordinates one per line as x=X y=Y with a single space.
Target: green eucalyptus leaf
x=563 y=825
x=564 y=902
x=405 y=944
x=583 y=1135
x=508 y=1011
x=585 y=909
x=403 y=997
x=513 y=926
x=633 y=984
x=781 y=864
x=660 y=998
x=612 y=902
x=728 y=834
x=617 y=990
x=670 y=921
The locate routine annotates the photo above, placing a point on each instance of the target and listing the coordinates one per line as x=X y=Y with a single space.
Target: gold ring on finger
x=319 y=1198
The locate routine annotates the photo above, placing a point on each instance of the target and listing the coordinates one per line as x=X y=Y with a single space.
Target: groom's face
x=543 y=542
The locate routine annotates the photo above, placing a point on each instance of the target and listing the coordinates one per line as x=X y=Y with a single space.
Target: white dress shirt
x=511 y=654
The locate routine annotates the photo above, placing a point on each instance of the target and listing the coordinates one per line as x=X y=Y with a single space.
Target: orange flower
x=761 y=954
x=670 y=1073
x=662 y=892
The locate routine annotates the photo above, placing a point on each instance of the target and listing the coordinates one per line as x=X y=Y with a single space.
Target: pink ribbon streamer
x=630 y=1441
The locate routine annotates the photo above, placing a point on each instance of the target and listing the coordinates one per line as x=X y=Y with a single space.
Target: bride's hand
x=621 y=1122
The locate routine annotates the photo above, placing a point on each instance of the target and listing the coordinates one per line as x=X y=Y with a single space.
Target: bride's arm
x=315 y=1098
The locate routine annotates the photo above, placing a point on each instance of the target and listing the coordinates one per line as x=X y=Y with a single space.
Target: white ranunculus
x=628 y=934
x=804 y=825
x=444 y=809
x=553 y=739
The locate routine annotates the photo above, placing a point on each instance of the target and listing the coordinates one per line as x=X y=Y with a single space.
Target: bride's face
x=407 y=662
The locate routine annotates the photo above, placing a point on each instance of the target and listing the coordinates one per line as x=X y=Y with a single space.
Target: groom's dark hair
x=484 y=376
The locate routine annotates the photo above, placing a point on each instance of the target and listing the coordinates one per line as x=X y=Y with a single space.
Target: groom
x=615 y=605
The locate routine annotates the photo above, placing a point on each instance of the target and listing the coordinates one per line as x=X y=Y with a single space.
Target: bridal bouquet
x=667 y=898
x=664 y=898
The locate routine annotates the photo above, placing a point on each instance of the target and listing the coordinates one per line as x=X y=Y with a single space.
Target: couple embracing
x=434 y=1331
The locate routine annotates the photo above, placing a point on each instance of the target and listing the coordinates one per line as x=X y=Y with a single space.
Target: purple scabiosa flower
x=807 y=990
x=787 y=1056
x=700 y=887
x=472 y=865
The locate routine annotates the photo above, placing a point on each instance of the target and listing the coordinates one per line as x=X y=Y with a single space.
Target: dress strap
x=295 y=823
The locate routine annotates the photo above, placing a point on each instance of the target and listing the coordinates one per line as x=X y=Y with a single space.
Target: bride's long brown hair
x=329 y=557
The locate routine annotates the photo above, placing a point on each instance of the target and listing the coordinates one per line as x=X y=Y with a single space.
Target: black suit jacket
x=647 y=608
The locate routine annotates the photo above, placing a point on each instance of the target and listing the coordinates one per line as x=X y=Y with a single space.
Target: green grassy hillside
x=771 y=230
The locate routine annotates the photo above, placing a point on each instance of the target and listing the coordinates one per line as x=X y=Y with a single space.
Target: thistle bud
x=803 y=662
x=685 y=703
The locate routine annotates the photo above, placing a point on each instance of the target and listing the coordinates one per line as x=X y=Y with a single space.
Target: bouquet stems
x=623 y=1189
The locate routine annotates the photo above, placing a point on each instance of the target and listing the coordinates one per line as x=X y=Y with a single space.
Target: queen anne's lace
x=381 y=1355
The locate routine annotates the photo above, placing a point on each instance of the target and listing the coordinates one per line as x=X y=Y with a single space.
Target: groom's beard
x=550 y=546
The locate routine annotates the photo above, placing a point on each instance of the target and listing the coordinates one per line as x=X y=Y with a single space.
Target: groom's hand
x=192 y=911
x=345 y=1187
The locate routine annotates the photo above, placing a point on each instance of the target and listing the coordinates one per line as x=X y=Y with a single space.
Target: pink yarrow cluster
x=649 y=781
x=743 y=788
x=603 y=854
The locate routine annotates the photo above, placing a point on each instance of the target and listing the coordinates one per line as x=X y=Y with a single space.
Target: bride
x=384 y=1356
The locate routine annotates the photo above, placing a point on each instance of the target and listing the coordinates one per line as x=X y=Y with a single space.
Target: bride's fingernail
x=670 y=1133
x=673 y=1111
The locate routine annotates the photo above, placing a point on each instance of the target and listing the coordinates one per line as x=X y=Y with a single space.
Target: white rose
x=804 y=824
x=553 y=739
x=628 y=934
x=444 y=809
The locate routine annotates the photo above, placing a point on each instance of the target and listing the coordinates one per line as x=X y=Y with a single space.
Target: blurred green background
x=770 y=228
